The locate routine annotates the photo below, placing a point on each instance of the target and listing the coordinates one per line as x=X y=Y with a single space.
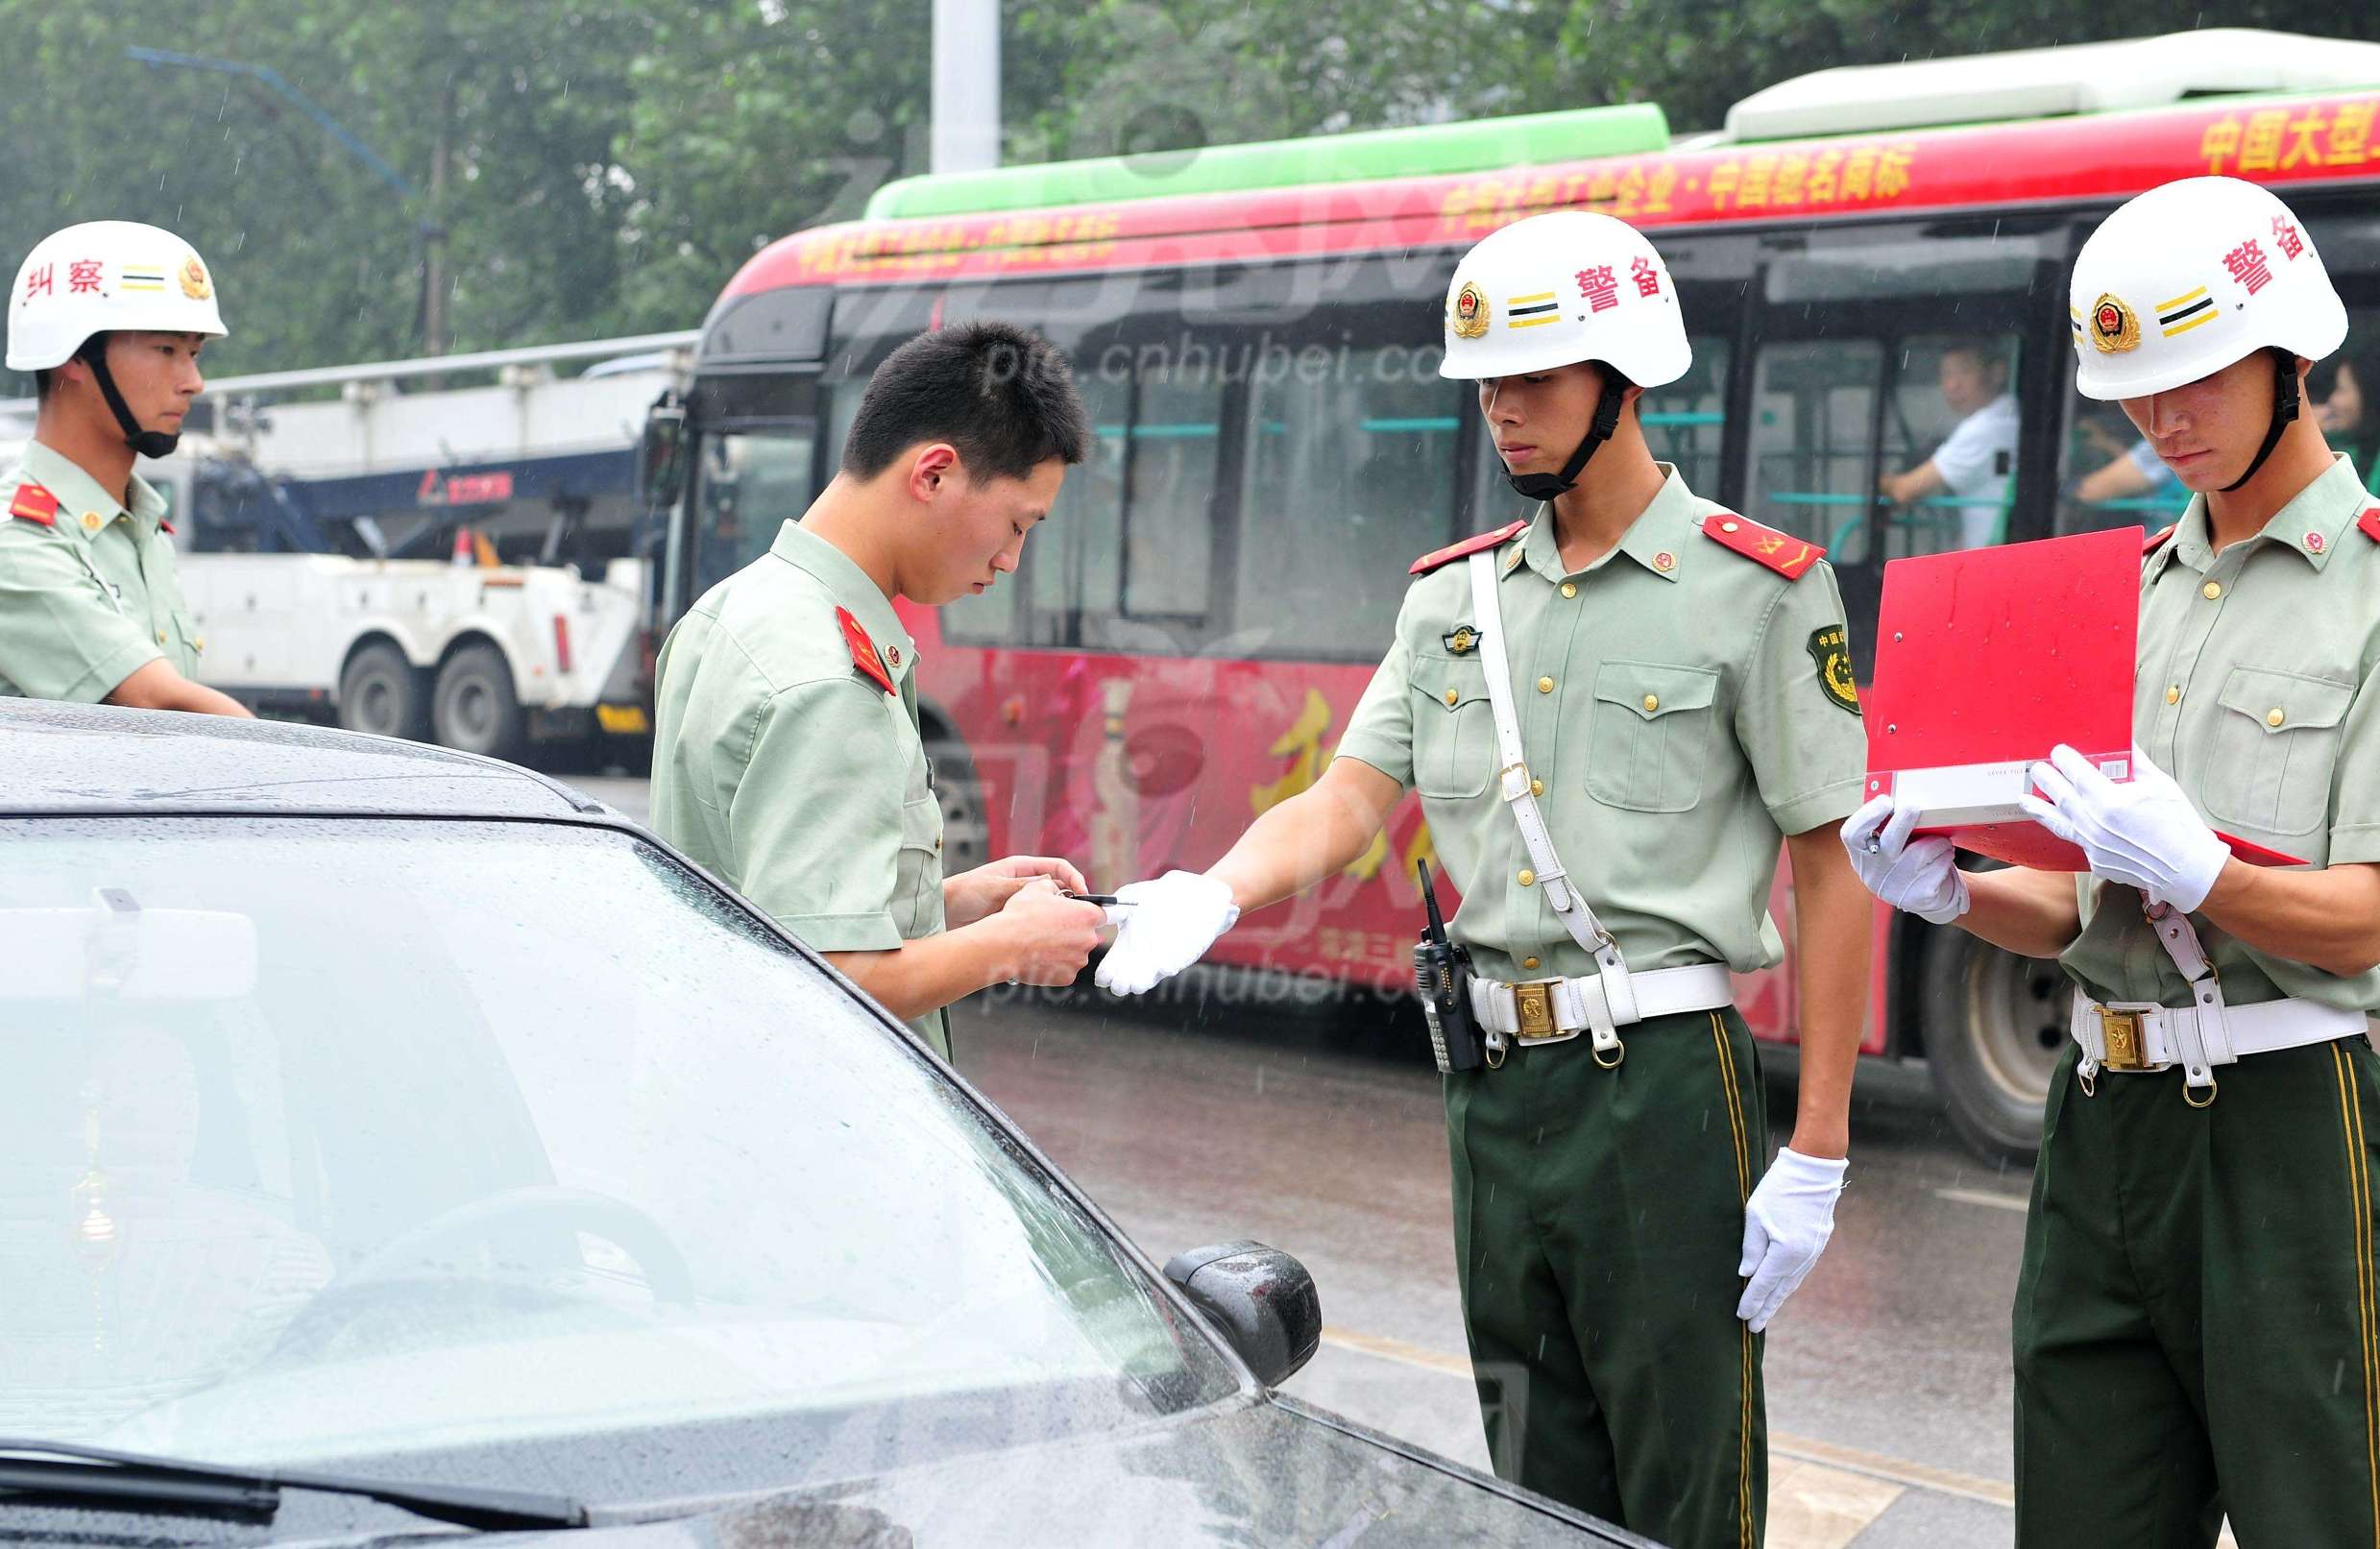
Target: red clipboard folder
x=1988 y=658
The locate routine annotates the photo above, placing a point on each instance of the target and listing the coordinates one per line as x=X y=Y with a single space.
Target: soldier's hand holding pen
x=1049 y=937
x=971 y=895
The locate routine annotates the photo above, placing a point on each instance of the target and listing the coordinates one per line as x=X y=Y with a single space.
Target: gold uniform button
x=1652 y=703
x=1568 y=590
x=1527 y=877
x=2172 y=693
x=1545 y=685
x=2211 y=590
x=161 y=636
x=1453 y=695
x=2275 y=717
x=1537 y=787
x=1528 y=962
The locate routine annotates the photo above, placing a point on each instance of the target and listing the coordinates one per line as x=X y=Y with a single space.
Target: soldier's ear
x=931 y=468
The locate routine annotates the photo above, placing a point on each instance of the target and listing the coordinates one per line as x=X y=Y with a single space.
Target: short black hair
x=1000 y=394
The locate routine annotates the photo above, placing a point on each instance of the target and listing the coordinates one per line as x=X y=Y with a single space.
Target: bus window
x=1813 y=415
x=1076 y=552
x=747 y=484
x=2111 y=476
x=1950 y=442
x=1169 y=493
x=1360 y=461
x=1685 y=420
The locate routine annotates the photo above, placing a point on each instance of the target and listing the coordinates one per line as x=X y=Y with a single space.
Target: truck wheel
x=474 y=709
x=380 y=692
x=967 y=833
x=1994 y=1026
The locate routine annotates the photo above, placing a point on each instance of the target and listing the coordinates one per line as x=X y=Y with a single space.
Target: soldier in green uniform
x=1679 y=681
x=110 y=317
x=786 y=756
x=2195 y=1333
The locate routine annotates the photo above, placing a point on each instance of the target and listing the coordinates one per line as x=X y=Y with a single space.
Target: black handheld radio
x=1441 y=975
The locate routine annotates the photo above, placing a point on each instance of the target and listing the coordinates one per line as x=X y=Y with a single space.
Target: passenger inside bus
x=1976 y=463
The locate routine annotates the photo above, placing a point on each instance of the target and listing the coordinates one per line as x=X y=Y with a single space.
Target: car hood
x=1272 y=1472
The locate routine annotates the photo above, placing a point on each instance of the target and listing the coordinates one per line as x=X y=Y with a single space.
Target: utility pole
x=434 y=232
x=966 y=86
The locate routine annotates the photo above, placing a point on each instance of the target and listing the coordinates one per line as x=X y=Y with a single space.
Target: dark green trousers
x=2194 y=1327
x=1598 y=1221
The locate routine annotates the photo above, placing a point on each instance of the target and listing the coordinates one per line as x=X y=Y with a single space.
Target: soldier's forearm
x=1835 y=920
x=2034 y=913
x=1313 y=834
x=156 y=686
x=2329 y=919
x=927 y=974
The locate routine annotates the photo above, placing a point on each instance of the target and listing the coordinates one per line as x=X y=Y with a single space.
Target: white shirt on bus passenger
x=1978 y=464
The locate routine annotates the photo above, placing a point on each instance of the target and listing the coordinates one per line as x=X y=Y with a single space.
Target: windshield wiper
x=73 y=1474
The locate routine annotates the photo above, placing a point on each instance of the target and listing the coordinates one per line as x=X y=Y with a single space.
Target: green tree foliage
x=609 y=163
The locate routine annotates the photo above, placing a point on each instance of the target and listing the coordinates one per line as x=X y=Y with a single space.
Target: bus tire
x=474 y=709
x=1993 y=1026
x=966 y=830
x=380 y=692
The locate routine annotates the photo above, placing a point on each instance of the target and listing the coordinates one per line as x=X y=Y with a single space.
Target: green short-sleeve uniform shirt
x=1683 y=704
x=2259 y=693
x=89 y=594
x=781 y=766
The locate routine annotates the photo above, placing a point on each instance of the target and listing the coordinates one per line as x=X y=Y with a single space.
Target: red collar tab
x=2156 y=540
x=1788 y=556
x=864 y=651
x=165 y=526
x=35 y=503
x=2370 y=525
x=1469 y=546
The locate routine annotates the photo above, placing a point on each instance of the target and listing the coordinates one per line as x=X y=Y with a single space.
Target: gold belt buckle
x=2127 y=1049
x=1533 y=1006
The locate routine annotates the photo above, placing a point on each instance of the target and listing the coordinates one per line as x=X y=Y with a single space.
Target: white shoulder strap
x=1512 y=776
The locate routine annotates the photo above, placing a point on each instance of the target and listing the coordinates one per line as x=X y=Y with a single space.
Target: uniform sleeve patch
x=34 y=504
x=864 y=651
x=1788 y=556
x=1830 y=648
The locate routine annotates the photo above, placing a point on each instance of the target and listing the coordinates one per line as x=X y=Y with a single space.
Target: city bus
x=1256 y=333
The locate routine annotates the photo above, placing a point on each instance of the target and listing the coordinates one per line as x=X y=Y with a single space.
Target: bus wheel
x=1994 y=1026
x=379 y=692
x=967 y=833
x=474 y=709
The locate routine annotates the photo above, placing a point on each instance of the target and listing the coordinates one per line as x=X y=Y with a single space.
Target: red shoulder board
x=35 y=503
x=1788 y=556
x=864 y=651
x=2371 y=525
x=1469 y=546
x=2156 y=540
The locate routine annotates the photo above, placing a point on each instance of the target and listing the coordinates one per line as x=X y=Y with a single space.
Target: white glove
x=2143 y=833
x=1922 y=879
x=1786 y=1226
x=1172 y=923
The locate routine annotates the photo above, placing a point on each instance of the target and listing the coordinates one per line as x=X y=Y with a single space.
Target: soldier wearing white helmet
x=110 y=317
x=2197 y=1333
x=1613 y=711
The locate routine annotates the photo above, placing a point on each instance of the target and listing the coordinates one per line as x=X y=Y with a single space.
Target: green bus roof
x=1479 y=145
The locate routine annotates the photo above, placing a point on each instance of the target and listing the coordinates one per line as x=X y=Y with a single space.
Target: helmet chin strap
x=2283 y=410
x=147 y=443
x=1546 y=486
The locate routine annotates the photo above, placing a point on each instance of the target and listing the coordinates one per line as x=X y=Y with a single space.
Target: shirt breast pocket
x=1650 y=736
x=2274 y=746
x=1453 y=727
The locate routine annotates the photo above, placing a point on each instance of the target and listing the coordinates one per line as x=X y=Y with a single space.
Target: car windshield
x=337 y=1139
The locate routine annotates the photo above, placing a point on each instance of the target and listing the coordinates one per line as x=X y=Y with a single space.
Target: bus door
x=1902 y=380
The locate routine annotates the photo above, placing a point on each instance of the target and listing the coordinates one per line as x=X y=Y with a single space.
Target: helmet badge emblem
x=1471 y=312
x=2114 y=326
x=194 y=279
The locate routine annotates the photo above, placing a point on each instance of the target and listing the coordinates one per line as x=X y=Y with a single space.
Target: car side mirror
x=1261 y=1300
x=661 y=454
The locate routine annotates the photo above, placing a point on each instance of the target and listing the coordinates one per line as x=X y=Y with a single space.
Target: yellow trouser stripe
x=1744 y=1515
x=2359 y=1193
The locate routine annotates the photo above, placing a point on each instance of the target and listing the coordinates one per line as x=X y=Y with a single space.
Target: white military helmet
x=106 y=277
x=1559 y=288
x=2190 y=277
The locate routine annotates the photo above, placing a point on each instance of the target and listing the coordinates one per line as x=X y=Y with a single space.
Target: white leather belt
x=2130 y=1036
x=1555 y=1010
